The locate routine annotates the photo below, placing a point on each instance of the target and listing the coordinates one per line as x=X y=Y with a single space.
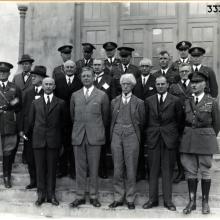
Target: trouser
x=162 y=158
x=125 y=151
x=87 y=156
x=46 y=164
x=192 y=163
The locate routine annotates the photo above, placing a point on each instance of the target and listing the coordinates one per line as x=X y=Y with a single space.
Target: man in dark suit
x=89 y=109
x=211 y=83
x=33 y=93
x=87 y=58
x=199 y=142
x=128 y=116
x=164 y=117
x=10 y=105
x=144 y=88
x=171 y=75
x=65 y=53
x=183 y=90
x=66 y=84
x=125 y=67
x=46 y=119
x=183 y=49
x=103 y=81
x=23 y=81
x=111 y=62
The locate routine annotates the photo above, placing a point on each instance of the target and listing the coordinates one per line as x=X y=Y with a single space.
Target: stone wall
x=48 y=26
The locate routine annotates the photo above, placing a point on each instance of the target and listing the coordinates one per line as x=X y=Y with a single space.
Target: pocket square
x=105 y=86
x=151 y=88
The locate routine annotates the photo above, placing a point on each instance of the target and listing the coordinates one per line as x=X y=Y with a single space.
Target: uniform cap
x=183 y=45
x=109 y=46
x=5 y=67
x=196 y=51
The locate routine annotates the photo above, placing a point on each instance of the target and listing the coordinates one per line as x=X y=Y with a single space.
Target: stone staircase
x=18 y=200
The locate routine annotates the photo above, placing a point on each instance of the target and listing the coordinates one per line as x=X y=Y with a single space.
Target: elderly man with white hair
x=128 y=115
x=66 y=84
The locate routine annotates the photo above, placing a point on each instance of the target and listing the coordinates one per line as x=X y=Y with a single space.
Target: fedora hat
x=25 y=58
x=40 y=70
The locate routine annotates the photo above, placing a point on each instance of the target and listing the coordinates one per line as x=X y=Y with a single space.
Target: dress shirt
x=164 y=96
x=144 y=79
x=187 y=82
x=89 y=90
x=69 y=77
x=123 y=66
x=126 y=98
x=164 y=70
x=99 y=77
x=199 y=97
x=50 y=97
x=5 y=83
x=198 y=67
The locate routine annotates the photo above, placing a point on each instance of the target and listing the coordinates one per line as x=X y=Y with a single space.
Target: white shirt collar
x=165 y=70
x=198 y=67
x=199 y=96
x=145 y=77
x=99 y=76
x=50 y=97
x=164 y=96
x=5 y=83
x=123 y=66
x=187 y=82
x=38 y=88
x=89 y=90
x=86 y=60
x=113 y=59
x=184 y=60
x=127 y=97
x=70 y=77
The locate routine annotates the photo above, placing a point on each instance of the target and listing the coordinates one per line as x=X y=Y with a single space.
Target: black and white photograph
x=109 y=109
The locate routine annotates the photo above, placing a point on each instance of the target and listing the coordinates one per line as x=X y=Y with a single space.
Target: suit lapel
x=53 y=104
x=167 y=102
x=116 y=109
x=155 y=103
x=92 y=95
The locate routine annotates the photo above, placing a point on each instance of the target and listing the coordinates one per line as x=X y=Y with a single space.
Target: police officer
x=196 y=58
x=111 y=63
x=65 y=53
x=87 y=59
x=183 y=49
x=199 y=141
x=10 y=104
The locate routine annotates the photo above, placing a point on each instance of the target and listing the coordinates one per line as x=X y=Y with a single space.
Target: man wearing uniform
x=65 y=52
x=199 y=141
x=34 y=92
x=125 y=67
x=24 y=82
x=171 y=75
x=10 y=105
x=111 y=63
x=183 y=90
x=66 y=84
x=87 y=58
x=183 y=49
x=196 y=58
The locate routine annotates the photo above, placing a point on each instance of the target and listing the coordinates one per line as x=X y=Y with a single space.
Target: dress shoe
x=170 y=206
x=130 y=205
x=53 y=201
x=150 y=204
x=31 y=186
x=40 y=201
x=61 y=175
x=103 y=176
x=77 y=202
x=95 y=202
x=115 y=204
x=7 y=181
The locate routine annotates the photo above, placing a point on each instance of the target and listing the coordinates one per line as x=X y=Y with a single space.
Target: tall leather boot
x=192 y=187
x=7 y=171
x=205 y=183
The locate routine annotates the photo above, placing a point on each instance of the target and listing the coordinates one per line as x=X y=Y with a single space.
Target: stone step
x=87 y=211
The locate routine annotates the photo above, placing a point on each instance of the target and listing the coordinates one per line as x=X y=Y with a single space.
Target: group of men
x=148 y=119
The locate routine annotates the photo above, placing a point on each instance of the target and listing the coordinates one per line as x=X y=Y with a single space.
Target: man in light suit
x=89 y=109
x=46 y=118
x=164 y=117
x=128 y=116
x=66 y=84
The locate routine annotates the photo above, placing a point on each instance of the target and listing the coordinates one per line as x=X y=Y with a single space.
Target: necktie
x=26 y=77
x=69 y=82
x=87 y=94
x=184 y=83
x=197 y=100
x=86 y=62
x=161 y=100
x=3 y=86
x=36 y=90
x=144 y=81
x=163 y=73
x=48 y=103
x=126 y=100
x=196 y=69
x=125 y=68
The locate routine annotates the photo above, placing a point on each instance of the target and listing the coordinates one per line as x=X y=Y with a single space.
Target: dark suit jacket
x=89 y=116
x=59 y=70
x=180 y=91
x=105 y=84
x=211 y=83
x=47 y=127
x=63 y=91
x=110 y=68
x=169 y=126
x=137 y=114
x=143 y=92
x=80 y=64
x=175 y=65
x=8 y=122
x=29 y=97
x=172 y=76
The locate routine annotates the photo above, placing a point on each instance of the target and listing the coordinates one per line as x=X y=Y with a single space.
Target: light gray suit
x=89 y=116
